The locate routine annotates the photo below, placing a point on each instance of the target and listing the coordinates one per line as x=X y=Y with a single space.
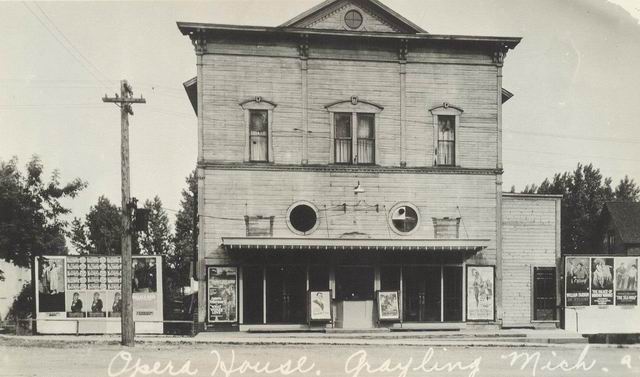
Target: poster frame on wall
x=235 y=269
x=566 y=280
x=468 y=267
x=610 y=299
x=625 y=297
x=327 y=293
x=379 y=300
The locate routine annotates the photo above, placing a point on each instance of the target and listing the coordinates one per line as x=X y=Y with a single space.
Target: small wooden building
x=350 y=175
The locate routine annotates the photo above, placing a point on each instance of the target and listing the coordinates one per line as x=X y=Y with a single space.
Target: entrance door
x=422 y=302
x=286 y=294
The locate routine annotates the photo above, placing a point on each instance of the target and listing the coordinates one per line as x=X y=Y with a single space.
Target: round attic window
x=353 y=19
x=404 y=218
x=302 y=218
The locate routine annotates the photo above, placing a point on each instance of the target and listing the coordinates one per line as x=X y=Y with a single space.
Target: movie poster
x=388 y=306
x=480 y=293
x=601 y=281
x=76 y=304
x=626 y=280
x=577 y=281
x=145 y=272
x=51 y=284
x=320 y=305
x=222 y=294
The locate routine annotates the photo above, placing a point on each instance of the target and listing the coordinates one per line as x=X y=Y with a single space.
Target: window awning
x=355 y=244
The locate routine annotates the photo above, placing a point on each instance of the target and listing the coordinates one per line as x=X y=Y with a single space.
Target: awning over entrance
x=358 y=244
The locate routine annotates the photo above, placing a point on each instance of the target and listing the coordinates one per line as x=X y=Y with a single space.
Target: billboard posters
x=480 y=293
x=601 y=281
x=96 y=304
x=222 y=293
x=388 y=306
x=51 y=284
x=114 y=304
x=626 y=280
x=76 y=304
x=320 y=305
x=577 y=281
x=146 y=284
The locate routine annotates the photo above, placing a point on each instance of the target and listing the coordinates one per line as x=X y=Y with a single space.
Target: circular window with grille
x=404 y=218
x=302 y=218
x=353 y=19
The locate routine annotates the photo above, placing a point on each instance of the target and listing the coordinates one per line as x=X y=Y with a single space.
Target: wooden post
x=124 y=101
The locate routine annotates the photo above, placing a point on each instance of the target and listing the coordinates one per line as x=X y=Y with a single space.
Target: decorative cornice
x=349 y=169
x=403 y=50
x=199 y=42
x=303 y=46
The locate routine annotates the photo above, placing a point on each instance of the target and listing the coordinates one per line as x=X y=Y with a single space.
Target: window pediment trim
x=257 y=103
x=354 y=105
x=446 y=109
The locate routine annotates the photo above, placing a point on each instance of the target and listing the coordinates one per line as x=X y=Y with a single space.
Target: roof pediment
x=354 y=15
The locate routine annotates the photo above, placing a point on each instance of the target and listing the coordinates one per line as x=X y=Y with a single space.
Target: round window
x=404 y=218
x=353 y=19
x=302 y=218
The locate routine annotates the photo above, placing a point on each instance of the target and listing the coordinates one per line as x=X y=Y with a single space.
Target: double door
x=432 y=293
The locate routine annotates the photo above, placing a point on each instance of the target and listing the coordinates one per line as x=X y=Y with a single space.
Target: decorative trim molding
x=348 y=169
x=354 y=105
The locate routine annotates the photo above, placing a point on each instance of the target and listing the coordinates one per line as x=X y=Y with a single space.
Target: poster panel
x=626 y=280
x=480 y=293
x=388 y=306
x=320 y=305
x=146 y=285
x=222 y=294
x=601 y=281
x=76 y=304
x=51 y=285
x=577 y=281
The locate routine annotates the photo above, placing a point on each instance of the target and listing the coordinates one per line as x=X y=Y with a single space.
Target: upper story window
x=353 y=132
x=258 y=119
x=446 y=121
x=258 y=135
x=353 y=19
x=361 y=125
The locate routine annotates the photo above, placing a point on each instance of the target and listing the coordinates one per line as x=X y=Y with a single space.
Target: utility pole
x=124 y=101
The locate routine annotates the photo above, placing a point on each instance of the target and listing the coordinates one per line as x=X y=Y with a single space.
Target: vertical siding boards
x=528 y=240
x=236 y=193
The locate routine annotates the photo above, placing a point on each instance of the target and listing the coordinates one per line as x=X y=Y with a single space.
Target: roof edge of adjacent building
x=531 y=196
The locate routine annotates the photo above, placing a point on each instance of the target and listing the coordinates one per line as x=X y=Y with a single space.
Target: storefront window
x=452 y=290
x=252 y=291
x=354 y=283
x=318 y=278
x=390 y=278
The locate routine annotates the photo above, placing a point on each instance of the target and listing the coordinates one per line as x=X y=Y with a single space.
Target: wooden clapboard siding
x=529 y=234
x=232 y=194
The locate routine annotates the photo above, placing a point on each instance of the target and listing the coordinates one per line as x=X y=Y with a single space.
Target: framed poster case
x=388 y=304
x=222 y=294
x=480 y=293
x=319 y=306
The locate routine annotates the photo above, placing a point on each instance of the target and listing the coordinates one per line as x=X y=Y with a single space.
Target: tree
x=32 y=216
x=185 y=239
x=585 y=192
x=157 y=239
x=627 y=190
x=101 y=230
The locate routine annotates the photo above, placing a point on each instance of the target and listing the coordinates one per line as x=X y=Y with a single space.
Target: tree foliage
x=32 y=214
x=585 y=191
x=157 y=239
x=185 y=239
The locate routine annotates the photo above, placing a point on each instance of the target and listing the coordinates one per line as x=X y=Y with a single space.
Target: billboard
x=626 y=278
x=480 y=293
x=601 y=281
x=577 y=281
x=88 y=288
x=222 y=294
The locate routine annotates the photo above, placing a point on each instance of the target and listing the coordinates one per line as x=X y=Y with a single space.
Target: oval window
x=303 y=218
x=404 y=218
x=353 y=19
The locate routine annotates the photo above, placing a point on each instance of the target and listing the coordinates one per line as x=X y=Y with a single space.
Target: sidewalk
x=501 y=338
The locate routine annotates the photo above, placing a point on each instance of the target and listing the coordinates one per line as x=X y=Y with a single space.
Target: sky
x=575 y=77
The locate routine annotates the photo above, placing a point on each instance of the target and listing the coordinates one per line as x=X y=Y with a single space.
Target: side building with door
x=350 y=175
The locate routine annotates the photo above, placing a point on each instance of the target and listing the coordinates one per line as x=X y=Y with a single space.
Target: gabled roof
x=625 y=217
x=191 y=87
x=380 y=10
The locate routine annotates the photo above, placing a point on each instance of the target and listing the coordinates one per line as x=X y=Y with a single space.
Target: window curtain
x=366 y=139
x=446 y=140
x=343 y=138
x=258 y=135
